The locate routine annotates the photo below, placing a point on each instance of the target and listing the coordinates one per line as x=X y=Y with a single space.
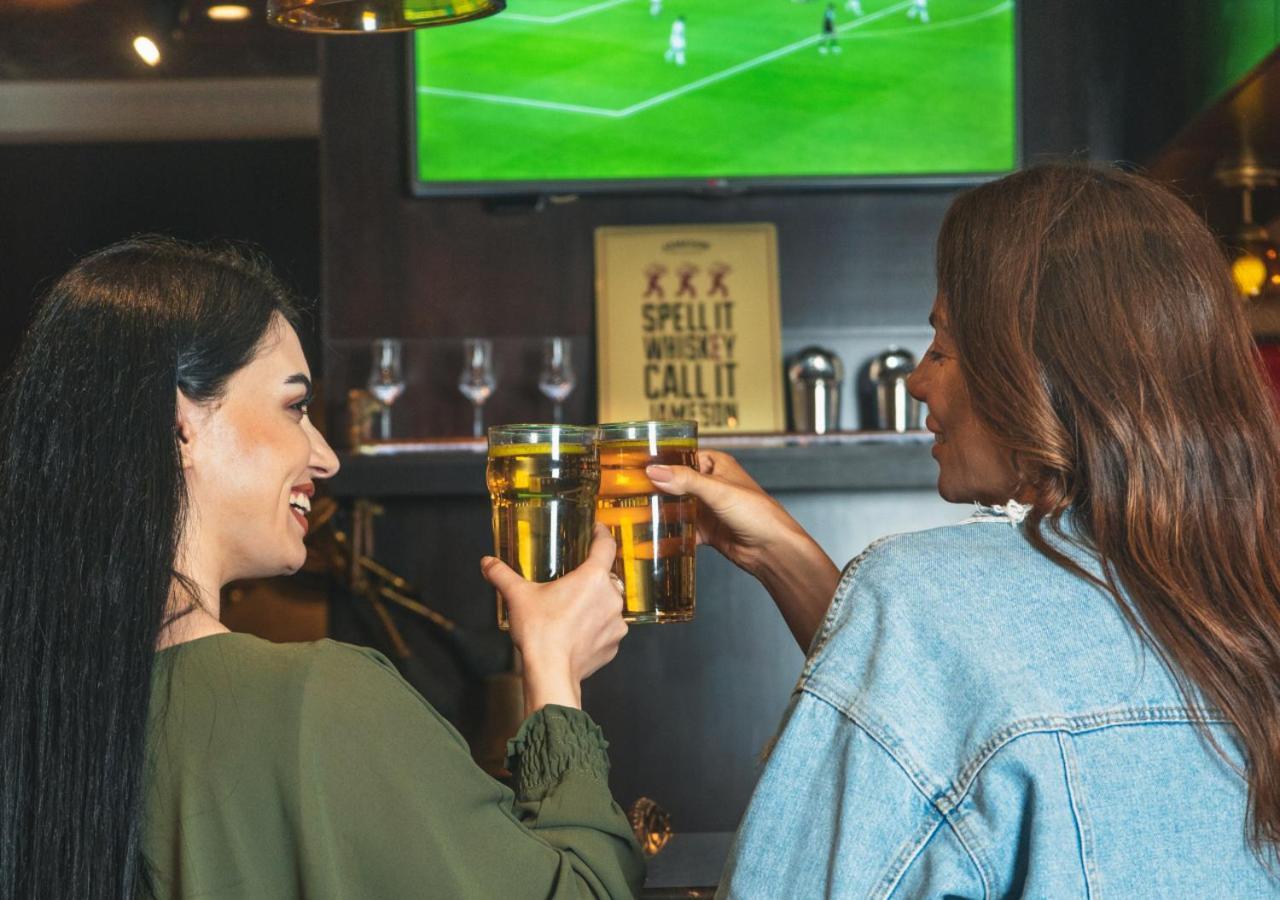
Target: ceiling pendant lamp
x=374 y=16
x=1255 y=257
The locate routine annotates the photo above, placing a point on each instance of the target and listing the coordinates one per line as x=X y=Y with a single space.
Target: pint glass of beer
x=655 y=532
x=542 y=483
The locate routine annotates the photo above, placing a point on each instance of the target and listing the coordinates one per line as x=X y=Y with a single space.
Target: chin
x=953 y=495
x=294 y=564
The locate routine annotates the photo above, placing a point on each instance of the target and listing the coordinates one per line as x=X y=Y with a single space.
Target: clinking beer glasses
x=542 y=483
x=656 y=533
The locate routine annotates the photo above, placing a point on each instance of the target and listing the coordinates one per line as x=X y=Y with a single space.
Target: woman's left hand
x=565 y=629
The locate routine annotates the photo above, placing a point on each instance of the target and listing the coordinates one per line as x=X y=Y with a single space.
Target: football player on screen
x=829 y=31
x=676 y=43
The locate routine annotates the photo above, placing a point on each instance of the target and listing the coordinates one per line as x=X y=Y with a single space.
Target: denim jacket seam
x=955 y=821
x=843 y=589
x=901 y=863
x=937 y=798
x=1079 y=814
x=1079 y=724
x=946 y=800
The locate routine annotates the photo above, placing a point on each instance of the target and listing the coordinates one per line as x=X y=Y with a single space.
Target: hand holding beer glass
x=656 y=533
x=542 y=482
x=549 y=484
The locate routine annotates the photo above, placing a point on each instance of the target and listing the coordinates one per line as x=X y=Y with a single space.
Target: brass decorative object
x=651 y=824
x=366 y=16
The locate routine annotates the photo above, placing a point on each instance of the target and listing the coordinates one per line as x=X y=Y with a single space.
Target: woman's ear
x=189 y=415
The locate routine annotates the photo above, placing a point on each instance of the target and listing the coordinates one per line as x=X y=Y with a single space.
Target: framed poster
x=688 y=325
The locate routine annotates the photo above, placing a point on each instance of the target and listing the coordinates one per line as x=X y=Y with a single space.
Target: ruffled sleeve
x=552 y=742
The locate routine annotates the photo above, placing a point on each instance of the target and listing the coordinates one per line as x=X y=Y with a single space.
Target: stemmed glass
x=386 y=379
x=557 y=379
x=477 y=380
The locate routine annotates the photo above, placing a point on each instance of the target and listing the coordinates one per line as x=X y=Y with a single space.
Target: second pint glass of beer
x=542 y=482
x=656 y=533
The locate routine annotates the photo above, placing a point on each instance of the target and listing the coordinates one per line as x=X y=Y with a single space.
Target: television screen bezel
x=698 y=186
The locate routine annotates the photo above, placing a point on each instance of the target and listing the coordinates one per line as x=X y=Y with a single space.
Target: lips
x=932 y=426
x=300 y=503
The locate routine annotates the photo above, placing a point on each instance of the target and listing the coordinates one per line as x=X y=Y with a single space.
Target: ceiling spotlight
x=228 y=12
x=147 y=50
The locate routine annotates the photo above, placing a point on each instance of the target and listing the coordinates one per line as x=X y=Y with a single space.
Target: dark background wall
x=59 y=202
x=687 y=708
x=442 y=269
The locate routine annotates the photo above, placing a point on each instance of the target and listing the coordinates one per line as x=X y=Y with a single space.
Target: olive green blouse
x=315 y=770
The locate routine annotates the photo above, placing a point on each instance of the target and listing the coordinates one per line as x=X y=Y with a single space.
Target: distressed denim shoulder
x=974 y=720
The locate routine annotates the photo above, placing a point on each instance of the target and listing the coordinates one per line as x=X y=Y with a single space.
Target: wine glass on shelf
x=386 y=380
x=556 y=380
x=477 y=379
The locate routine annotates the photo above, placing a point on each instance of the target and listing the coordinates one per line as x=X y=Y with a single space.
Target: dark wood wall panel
x=687 y=707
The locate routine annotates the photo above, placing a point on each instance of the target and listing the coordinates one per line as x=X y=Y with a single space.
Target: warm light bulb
x=147 y=50
x=1250 y=273
x=228 y=12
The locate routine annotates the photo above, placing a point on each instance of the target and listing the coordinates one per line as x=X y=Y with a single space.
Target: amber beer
x=656 y=533
x=542 y=483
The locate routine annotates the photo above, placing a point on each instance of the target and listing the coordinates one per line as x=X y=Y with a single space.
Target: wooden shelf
x=850 y=461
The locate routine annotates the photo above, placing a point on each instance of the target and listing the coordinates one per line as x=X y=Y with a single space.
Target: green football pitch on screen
x=563 y=90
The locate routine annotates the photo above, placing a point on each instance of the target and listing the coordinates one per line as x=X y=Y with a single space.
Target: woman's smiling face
x=972 y=467
x=251 y=460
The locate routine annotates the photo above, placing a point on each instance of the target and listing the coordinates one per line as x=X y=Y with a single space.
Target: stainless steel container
x=891 y=407
x=814 y=375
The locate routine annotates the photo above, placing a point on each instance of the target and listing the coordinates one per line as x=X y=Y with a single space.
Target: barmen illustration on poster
x=688 y=325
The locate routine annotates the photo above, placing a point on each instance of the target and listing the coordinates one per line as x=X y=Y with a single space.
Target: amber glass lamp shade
x=1255 y=264
x=370 y=16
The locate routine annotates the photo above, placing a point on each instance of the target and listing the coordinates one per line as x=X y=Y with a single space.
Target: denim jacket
x=975 y=721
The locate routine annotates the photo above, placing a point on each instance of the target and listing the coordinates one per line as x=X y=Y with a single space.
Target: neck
x=195 y=607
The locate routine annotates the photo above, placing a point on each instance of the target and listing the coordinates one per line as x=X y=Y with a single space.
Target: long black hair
x=92 y=502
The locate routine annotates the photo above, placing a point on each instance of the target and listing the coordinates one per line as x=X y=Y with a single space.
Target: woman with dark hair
x=155 y=445
x=1077 y=691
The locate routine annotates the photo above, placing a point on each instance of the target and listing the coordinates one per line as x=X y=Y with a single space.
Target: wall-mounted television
x=570 y=96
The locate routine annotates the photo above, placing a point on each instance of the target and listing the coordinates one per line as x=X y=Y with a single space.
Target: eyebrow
x=299 y=378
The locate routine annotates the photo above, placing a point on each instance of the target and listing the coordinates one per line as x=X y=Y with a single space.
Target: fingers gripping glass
x=542 y=483
x=656 y=533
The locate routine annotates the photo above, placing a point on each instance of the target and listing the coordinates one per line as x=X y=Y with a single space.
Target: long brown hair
x=1103 y=344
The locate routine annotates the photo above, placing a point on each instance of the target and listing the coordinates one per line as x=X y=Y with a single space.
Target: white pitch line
x=938 y=26
x=718 y=76
x=563 y=17
x=520 y=101
x=758 y=61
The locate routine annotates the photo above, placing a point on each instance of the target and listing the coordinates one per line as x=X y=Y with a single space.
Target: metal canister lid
x=892 y=364
x=815 y=364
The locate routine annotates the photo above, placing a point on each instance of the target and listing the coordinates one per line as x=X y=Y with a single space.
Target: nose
x=916 y=384
x=323 y=462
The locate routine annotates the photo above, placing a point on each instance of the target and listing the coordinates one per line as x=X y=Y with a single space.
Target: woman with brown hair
x=1076 y=691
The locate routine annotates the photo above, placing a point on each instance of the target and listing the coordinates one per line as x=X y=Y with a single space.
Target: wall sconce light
x=163 y=24
x=1255 y=257
x=228 y=12
x=365 y=16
